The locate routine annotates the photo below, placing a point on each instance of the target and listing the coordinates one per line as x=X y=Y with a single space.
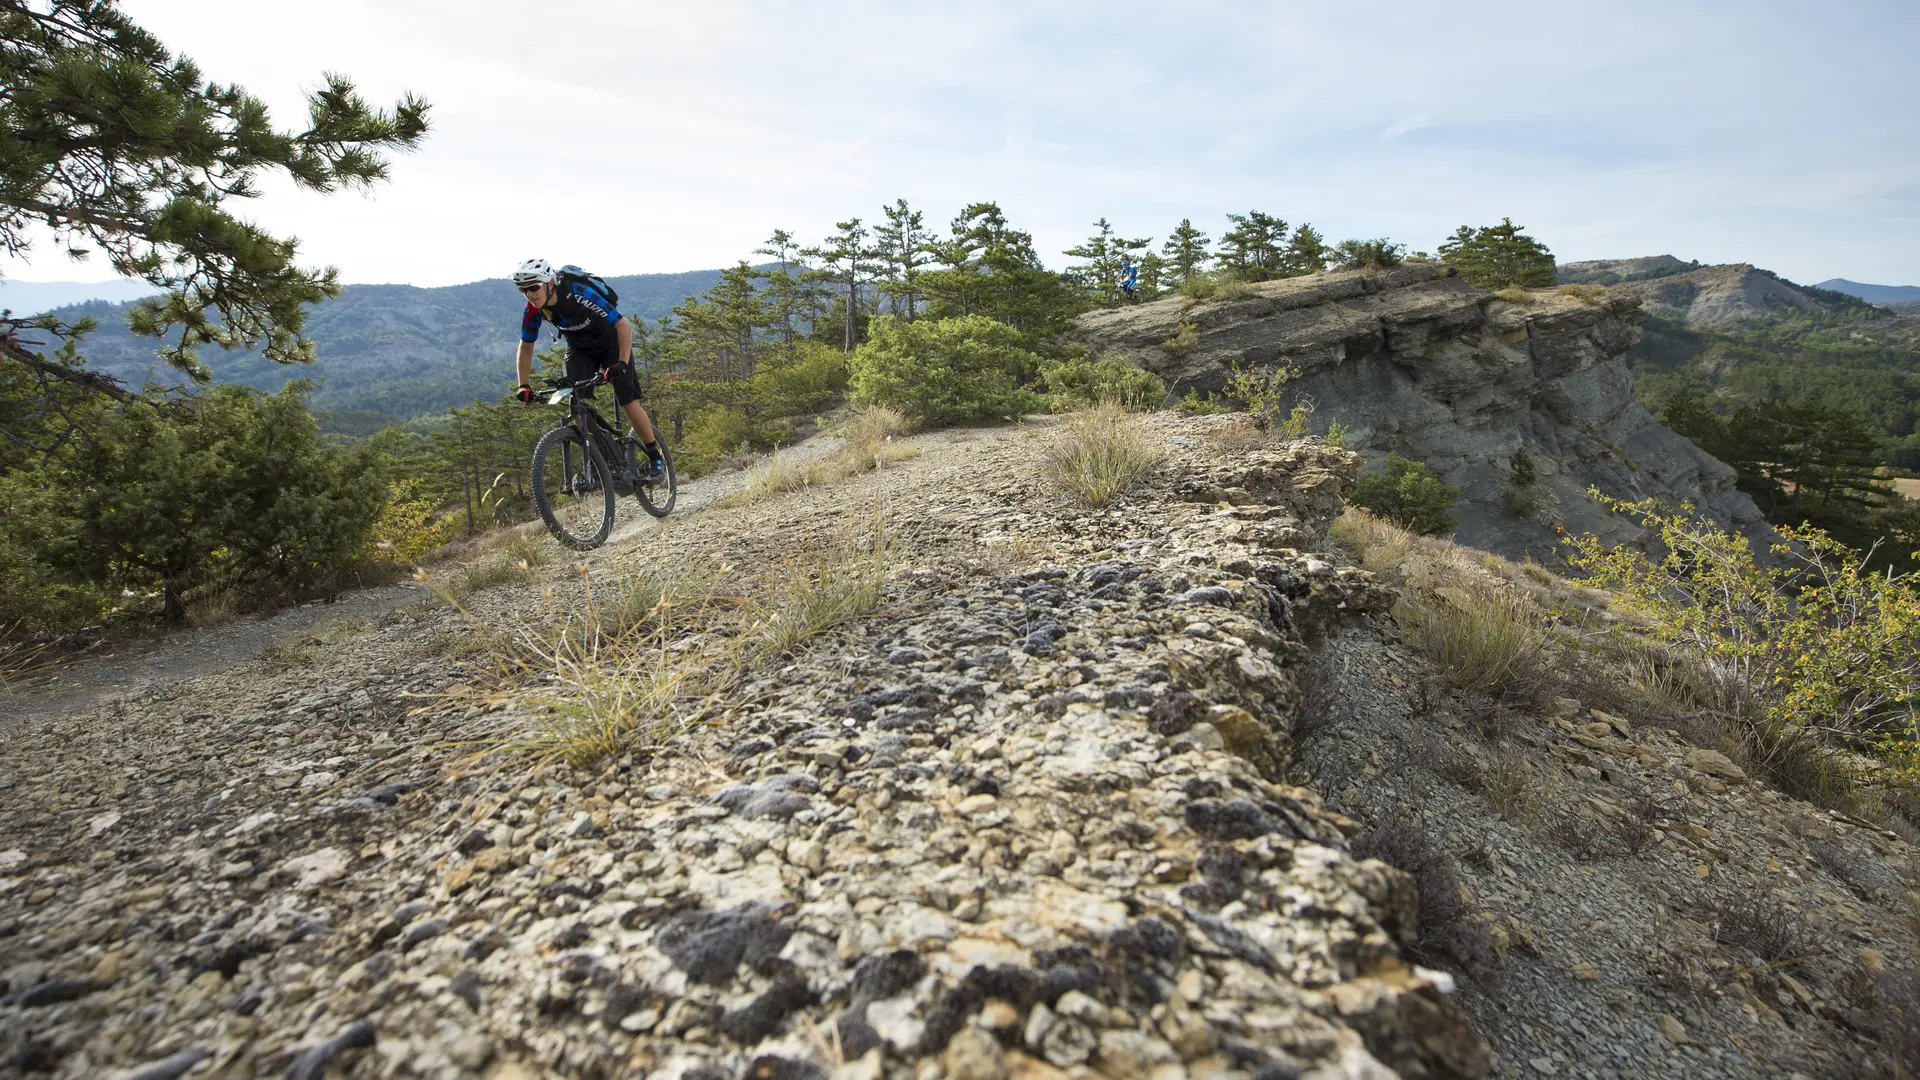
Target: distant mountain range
x=1873 y=294
x=386 y=352
x=34 y=297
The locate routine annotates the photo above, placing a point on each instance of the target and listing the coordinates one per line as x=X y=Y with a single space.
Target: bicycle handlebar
x=596 y=379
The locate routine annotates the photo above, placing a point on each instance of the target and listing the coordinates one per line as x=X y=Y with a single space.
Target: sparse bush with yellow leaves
x=1812 y=648
x=411 y=526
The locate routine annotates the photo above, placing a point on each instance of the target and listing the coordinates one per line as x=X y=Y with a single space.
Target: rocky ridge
x=1028 y=820
x=1415 y=361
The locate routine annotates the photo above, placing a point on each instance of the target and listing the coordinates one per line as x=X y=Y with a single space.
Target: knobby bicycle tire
x=650 y=494
x=562 y=460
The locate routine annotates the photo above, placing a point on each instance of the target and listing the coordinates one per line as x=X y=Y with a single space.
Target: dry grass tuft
x=1514 y=294
x=1103 y=452
x=867 y=444
x=842 y=580
x=1594 y=295
x=1483 y=642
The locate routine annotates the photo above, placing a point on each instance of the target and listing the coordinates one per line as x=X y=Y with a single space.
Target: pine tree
x=1307 y=252
x=990 y=268
x=847 y=259
x=1254 y=247
x=1105 y=254
x=902 y=247
x=782 y=288
x=1499 y=256
x=1185 y=252
x=117 y=145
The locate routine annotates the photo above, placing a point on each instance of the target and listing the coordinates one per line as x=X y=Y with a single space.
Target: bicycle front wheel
x=657 y=496
x=571 y=489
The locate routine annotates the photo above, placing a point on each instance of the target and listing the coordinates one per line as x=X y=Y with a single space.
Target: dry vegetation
x=613 y=669
x=867 y=443
x=1102 y=452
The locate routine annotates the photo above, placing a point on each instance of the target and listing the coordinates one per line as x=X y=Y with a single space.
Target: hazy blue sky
x=635 y=137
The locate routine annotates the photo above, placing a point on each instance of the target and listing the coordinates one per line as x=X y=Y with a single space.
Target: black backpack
x=570 y=273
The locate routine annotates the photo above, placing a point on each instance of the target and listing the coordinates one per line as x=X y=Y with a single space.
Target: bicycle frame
x=588 y=421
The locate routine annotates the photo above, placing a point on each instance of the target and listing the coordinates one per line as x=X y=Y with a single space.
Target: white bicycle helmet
x=533 y=272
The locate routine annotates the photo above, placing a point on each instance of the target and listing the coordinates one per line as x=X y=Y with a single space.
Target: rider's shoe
x=652 y=472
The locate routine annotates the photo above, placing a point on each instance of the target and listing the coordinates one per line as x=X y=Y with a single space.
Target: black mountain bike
x=581 y=465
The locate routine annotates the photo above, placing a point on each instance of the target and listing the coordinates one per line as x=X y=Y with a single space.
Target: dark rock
x=906 y=656
x=54 y=992
x=311 y=1065
x=466 y=987
x=486 y=945
x=762 y=1016
x=1277 y=1070
x=623 y=999
x=249 y=1001
x=171 y=1067
x=710 y=946
x=1175 y=711
x=1236 y=820
x=772 y=1067
x=572 y=937
x=1208 y=594
x=887 y=975
x=474 y=843
x=422 y=931
x=1233 y=940
x=389 y=794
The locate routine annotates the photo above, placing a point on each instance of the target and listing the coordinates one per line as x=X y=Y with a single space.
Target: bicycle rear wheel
x=657 y=497
x=571 y=489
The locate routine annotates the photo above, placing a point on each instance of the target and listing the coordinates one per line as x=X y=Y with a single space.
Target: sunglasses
x=531 y=289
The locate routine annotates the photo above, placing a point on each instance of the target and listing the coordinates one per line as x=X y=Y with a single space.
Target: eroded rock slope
x=1024 y=820
x=1415 y=361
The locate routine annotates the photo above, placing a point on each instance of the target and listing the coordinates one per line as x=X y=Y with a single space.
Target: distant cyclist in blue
x=598 y=338
x=1129 y=277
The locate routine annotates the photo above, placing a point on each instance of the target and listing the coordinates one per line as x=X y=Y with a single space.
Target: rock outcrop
x=1028 y=821
x=1721 y=297
x=1413 y=360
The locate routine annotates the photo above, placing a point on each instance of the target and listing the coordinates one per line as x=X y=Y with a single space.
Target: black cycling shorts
x=582 y=363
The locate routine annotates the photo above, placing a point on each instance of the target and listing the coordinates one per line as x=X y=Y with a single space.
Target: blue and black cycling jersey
x=581 y=314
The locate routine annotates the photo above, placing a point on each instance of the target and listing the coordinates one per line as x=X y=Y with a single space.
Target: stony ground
x=1029 y=817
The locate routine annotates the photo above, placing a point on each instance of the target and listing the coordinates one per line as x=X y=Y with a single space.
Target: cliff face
x=1415 y=361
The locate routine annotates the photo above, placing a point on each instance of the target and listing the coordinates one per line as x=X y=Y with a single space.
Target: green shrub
x=804 y=385
x=1195 y=405
x=1369 y=254
x=944 y=371
x=1263 y=392
x=1184 y=338
x=714 y=433
x=1079 y=381
x=1199 y=286
x=1409 y=495
x=1499 y=256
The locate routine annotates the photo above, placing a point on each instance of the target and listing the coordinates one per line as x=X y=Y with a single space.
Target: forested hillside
x=385 y=353
x=1811 y=394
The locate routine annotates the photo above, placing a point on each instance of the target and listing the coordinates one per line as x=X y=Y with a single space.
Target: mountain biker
x=598 y=338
